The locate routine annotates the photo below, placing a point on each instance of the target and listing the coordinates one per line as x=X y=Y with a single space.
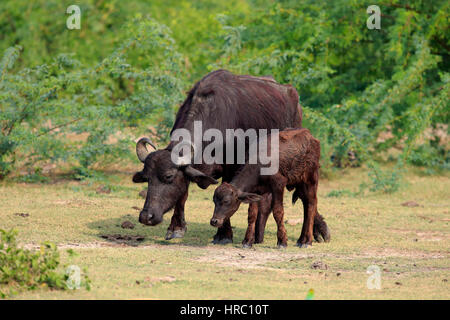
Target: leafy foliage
x=42 y=106
x=369 y=95
x=23 y=268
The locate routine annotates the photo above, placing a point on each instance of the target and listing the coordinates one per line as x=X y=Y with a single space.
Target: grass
x=409 y=244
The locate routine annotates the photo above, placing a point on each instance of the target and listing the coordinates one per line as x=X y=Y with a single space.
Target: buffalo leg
x=252 y=217
x=309 y=199
x=278 y=210
x=320 y=228
x=177 y=227
x=264 y=209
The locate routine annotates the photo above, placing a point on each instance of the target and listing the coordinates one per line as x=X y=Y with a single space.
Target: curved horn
x=141 y=148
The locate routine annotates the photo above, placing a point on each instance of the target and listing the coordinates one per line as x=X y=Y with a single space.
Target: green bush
x=21 y=268
x=41 y=106
x=365 y=92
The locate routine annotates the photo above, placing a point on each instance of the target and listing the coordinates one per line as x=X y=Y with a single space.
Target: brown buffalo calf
x=299 y=154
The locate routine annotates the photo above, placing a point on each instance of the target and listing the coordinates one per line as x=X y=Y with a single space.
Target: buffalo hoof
x=303 y=245
x=222 y=241
x=174 y=234
x=281 y=246
x=246 y=245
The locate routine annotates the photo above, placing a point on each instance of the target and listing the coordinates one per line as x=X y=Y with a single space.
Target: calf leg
x=264 y=209
x=320 y=228
x=309 y=199
x=250 y=234
x=278 y=210
x=177 y=227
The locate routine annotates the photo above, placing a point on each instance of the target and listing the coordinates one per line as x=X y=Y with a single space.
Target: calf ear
x=201 y=179
x=249 y=197
x=139 y=177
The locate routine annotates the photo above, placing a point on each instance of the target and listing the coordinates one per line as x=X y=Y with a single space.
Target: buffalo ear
x=201 y=179
x=249 y=197
x=139 y=177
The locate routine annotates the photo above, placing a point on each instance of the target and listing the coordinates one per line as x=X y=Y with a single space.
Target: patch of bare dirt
x=120 y=238
x=103 y=189
x=76 y=203
x=22 y=214
x=247 y=259
x=319 y=265
x=410 y=204
x=394 y=253
x=293 y=222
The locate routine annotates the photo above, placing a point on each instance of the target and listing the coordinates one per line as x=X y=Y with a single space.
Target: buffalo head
x=167 y=181
x=227 y=199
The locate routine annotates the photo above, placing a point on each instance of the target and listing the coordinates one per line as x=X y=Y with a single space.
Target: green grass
x=410 y=245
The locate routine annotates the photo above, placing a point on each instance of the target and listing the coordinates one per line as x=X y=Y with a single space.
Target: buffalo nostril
x=213 y=222
x=144 y=217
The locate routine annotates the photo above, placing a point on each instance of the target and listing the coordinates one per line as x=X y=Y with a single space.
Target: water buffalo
x=220 y=100
x=299 y=154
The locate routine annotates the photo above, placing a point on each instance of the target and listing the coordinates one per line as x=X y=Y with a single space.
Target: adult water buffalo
x=220 y=100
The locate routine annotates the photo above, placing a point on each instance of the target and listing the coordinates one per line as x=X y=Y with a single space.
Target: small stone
x=338 y=274
x=398 y=283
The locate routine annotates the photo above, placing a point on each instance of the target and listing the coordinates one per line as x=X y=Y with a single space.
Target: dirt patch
x=255 y=259
x=393 y=253
x=247 y=259
x=319 y=265
x=103 y=190
x=77 y=203
x=22 y=214
x=119 y=238
x=293 y=222
x=410 y=204
x=431 y=236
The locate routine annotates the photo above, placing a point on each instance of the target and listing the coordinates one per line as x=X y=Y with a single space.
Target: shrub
x=22 y=268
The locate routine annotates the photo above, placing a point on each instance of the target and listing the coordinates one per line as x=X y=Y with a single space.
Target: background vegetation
x=77 y=99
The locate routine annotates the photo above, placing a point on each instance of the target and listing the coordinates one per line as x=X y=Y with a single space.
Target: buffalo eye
x=169 y=176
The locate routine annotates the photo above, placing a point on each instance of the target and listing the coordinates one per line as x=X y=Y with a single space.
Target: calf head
x=167 y=181
x=227 y=199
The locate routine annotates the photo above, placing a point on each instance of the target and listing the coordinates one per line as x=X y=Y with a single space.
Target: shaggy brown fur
x=299 y=154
